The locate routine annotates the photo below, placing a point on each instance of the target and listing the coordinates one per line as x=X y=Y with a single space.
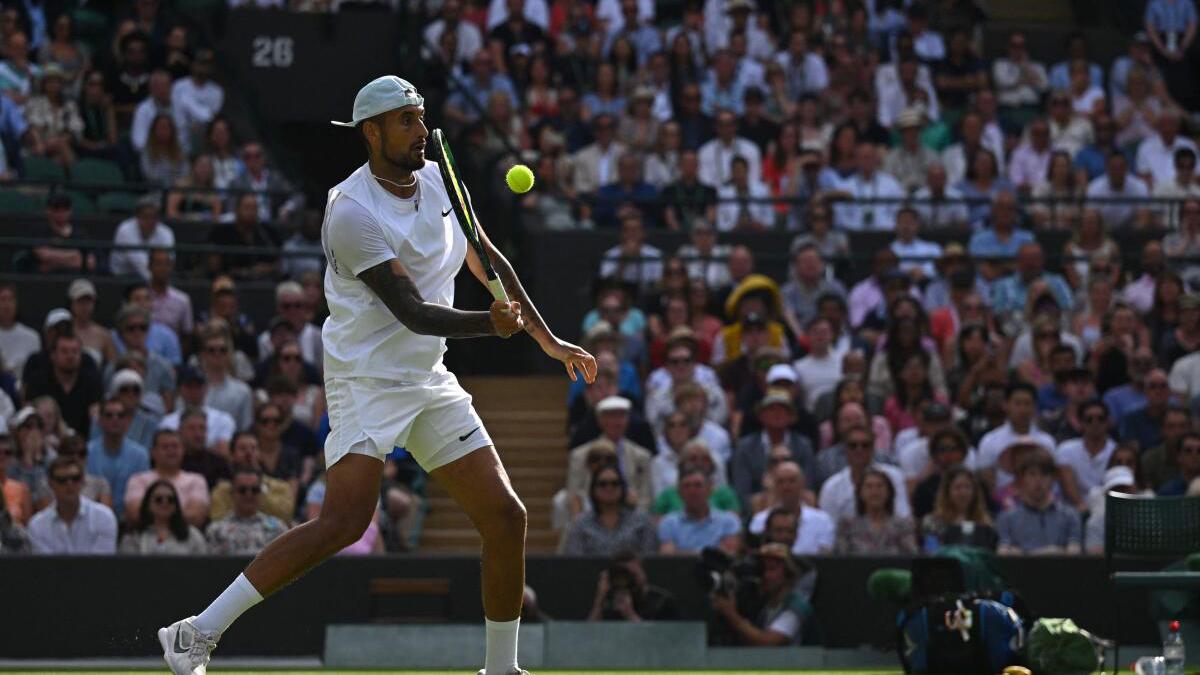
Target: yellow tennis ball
x=519 y=179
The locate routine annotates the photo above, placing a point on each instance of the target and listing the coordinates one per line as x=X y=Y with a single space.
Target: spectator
x=1039 y=523
x=1187 y=459
x=743 y=201
x=195 y=196
x=1077 y=50
x=689 y=203
x=292 y=306
x=287 y=447
x=612 y=524
x=227 y=164
x=1116 y=184
x=99 y=136
x=909 y=161
x=171 y=306
x=66 y=52
x=277 y=200
x=143 y=230
x=132 y=335
x=31 y=458
x=197 y=98
x=812 y=528
x=691 y=399
x=960 y=515
x=162 y=529
x=776 y=412
x=1070 y=131
x=809 y=282
x=468 y=39
x=1155 y=162
x=1144 y=424
x=946 y=448
x=716 y=156
x=1019 y=80
x=113 y=455
x=279 y=496
x=246 y=230
x=225 y=392
x=197 y=458
x=17 y=74
x=633 y=261
x=1182 y=213
x=821 y=370
x=880 y=191
x=18 y=500
x=1171 y=25
x=73 y=525
x=166 y=454
x=1082 y=461
x=1020 y=408
x=17 y=340
x=1002 y=238
x=624 y=594
x=287 y=375
x=681 y=368
x=465 y=105
x=781 y=621
x=595 y=164
x=875 y=530
x=13 y=537
x=1010 y=293
x=304 y=248
x=54 y=117
x=694 y=453
x=1139 y=57
x=837 y=497
x=1031 y=159
x=916 y=255
x=697 y=526
x=1118 y=479
x=76 y=389
x=163 y=161
x=57 y=254
x=247 y=529
x=633 y=460
x=97 y=341
x=959 y=158
x=158 y=104
x=219 y=425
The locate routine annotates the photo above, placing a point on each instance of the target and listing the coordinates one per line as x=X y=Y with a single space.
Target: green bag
x=1059 y=647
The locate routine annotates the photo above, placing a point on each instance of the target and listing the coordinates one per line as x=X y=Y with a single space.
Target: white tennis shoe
x=185 y=649
x=518 y=671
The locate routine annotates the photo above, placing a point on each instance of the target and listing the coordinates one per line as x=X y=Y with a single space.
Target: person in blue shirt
x=1144 y=424
x=698 y=525
x=1171 y=25
x=1010 y=293
x=1093 y=156
x=112 y=455
x=629 y=188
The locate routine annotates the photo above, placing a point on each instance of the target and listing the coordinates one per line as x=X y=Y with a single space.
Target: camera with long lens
x=738 y=578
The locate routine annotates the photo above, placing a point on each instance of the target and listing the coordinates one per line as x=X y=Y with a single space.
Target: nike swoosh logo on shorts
x=446 y=212
x=179 y=648
x=467 y=435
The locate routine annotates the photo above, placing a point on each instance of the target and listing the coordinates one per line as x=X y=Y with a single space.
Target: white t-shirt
x=818 y=375
x=837 y=494
x=1185 y=376
x=219 y=425
x=814 y=530
x=1089 y=470
x=364 y=226
x=994 y=442
x=16 y=345
x=913 y=251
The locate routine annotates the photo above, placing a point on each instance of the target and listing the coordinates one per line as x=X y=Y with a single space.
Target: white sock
x=229 y=605
x=501 y=656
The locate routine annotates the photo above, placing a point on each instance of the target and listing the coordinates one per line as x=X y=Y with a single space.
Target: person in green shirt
x=697 y=453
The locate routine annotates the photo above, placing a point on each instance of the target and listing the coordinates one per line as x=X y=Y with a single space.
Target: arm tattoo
x=401 y=296
x=534 y=324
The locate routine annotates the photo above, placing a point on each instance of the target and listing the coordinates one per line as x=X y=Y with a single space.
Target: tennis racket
x=460 y=202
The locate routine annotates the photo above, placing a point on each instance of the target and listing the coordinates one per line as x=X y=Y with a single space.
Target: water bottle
x=1173 y=653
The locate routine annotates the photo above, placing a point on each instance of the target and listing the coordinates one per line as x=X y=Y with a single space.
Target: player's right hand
x=506 y=317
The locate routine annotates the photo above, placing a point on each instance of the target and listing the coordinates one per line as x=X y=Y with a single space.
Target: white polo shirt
x=814 y=530
x=914 y=456
x=92 y=532
x=1089 y=469
x=364 y=226
x=837 y=494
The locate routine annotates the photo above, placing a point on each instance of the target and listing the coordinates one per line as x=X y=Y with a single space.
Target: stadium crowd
x=965 y=394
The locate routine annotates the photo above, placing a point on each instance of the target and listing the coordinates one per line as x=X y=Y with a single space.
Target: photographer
x=623 y=594
x=783 y=608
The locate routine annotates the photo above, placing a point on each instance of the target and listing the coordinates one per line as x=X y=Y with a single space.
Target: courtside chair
x=1157 y=527
x=45 y=169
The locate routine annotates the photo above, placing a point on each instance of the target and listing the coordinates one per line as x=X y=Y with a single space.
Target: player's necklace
x=402 y=186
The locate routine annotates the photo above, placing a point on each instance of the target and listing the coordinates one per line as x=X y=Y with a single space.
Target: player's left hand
x=572 y=356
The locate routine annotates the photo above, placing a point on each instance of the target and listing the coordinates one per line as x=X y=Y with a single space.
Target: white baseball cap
x=781 y=371
x=124 y=377
x=1118 y=476
x=614 y=404
x=57 y=316
x=381 y=95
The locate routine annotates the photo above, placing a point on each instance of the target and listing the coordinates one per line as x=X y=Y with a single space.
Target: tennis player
x=394 y=249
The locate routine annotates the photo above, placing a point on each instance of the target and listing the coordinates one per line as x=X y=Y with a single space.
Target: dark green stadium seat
x=44 y=168
x=82 y=204
x=90 y=23
x=97 y=172
x=116 y=202
x=19 y=203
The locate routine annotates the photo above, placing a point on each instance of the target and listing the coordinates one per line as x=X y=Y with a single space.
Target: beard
x=410 y=160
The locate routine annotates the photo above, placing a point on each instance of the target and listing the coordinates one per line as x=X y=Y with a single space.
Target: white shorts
x=433 y=420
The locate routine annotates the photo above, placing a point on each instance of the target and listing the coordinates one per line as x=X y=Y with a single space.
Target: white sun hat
x=381 y=95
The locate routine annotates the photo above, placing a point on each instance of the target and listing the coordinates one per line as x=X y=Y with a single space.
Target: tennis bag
x=960 y=634
x=1059 y=647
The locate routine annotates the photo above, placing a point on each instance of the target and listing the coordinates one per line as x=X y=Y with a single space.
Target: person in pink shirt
x=166 y=456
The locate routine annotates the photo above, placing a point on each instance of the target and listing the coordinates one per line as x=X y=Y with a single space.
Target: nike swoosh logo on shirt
x=467 y=435
x=179 y=648
x=446 y=212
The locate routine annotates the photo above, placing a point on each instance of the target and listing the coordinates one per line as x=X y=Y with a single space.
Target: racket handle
x=497 y=289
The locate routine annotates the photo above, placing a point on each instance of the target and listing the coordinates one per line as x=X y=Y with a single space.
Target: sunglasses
x=271 y=421
x=129 y=389
x=73 y=478
x=608 y=483
x=136 y=328
x=249 y=489
x=163 y=499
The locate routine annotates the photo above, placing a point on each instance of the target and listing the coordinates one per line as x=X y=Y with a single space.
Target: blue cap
x=381 y=95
